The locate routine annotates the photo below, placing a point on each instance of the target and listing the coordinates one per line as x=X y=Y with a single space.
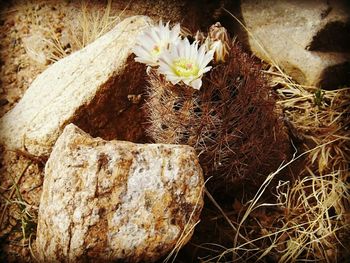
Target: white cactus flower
x=185 y=62
x=152 y=43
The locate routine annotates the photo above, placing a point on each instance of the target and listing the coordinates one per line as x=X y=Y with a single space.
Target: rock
x=293 y=34
x=113 y=200
x=89 y=88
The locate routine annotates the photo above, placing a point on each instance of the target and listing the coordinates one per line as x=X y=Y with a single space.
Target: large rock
x=112 y=200
x=303 y=37
x=89 y=88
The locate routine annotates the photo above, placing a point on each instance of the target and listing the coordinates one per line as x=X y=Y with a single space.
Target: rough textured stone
x=295 y=35
x=109 y=200
x=89 y=87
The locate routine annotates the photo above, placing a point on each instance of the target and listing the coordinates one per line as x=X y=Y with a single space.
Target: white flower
x=153 y=42
x=185 y=62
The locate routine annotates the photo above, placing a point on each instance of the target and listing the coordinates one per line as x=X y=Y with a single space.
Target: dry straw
x=93 y=25
x=90 y=26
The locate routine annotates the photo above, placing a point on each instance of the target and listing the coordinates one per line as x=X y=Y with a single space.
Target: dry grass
x=318 y=202
x=89 y=26
x=320 y=119
x=93 y=25
x=49 y=47
x=25 y=214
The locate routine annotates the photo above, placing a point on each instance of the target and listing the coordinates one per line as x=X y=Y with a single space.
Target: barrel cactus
x=230 y=118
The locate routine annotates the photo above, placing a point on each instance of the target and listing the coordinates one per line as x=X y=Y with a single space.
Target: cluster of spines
x=231 y=121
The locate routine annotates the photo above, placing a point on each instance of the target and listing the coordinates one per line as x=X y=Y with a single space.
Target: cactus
x=231 y=121
x=225 y=109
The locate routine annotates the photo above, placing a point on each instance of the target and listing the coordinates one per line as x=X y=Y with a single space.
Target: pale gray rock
x=302 y=37
x=113 y=200
x=89 y=88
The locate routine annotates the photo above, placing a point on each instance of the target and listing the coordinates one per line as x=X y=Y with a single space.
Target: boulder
x=106 y=201
x=90 y=88
x=307 y=39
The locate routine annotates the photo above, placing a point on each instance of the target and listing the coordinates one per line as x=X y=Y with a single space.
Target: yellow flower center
x=156 y=50
x=185 y=68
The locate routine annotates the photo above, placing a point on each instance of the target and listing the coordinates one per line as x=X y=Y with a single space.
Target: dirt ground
x=35 y=34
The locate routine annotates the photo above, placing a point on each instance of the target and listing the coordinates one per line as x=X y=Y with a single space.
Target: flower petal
x=153 y=42
x=196 y=84
x=185 y=62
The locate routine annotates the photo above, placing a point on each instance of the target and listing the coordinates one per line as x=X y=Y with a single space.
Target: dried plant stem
x=14 y=188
